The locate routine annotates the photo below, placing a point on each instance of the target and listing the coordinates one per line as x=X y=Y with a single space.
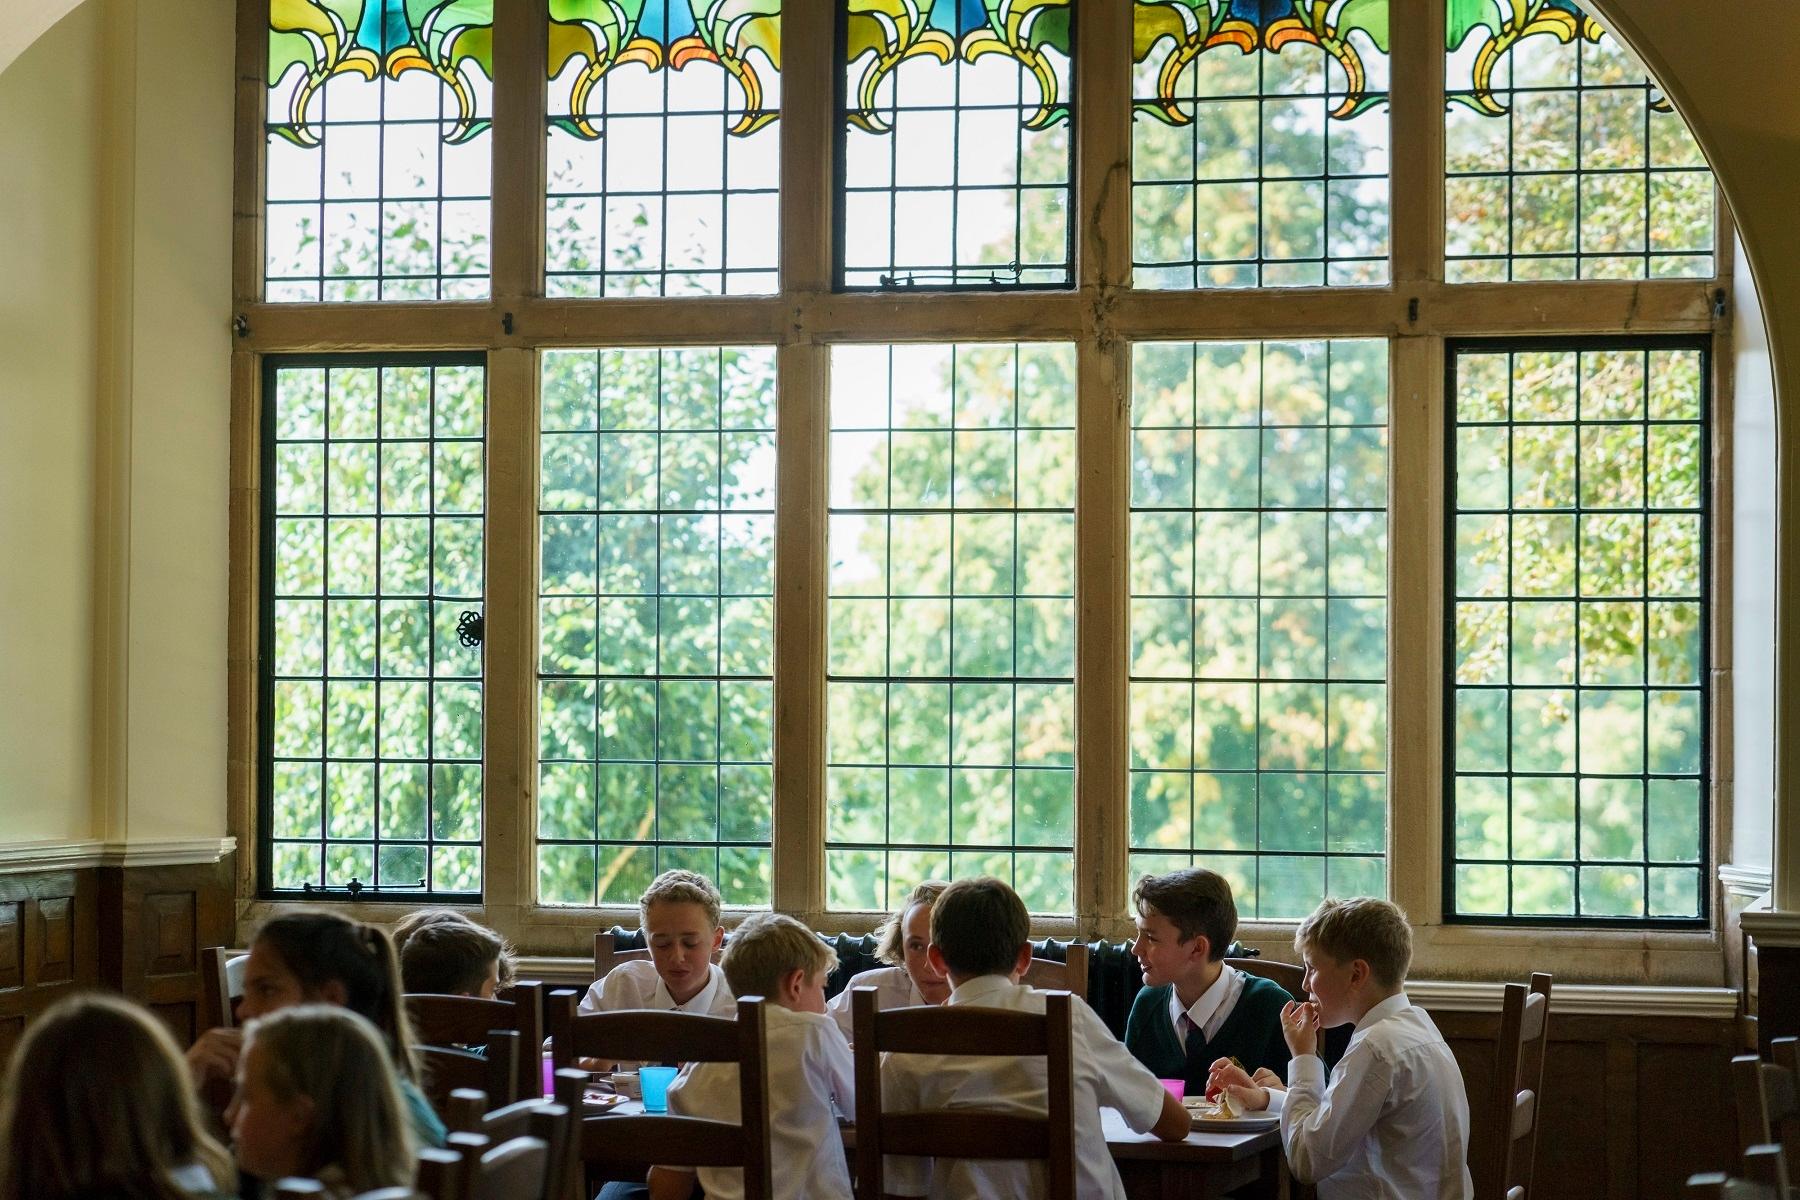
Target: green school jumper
x=1251 y=1034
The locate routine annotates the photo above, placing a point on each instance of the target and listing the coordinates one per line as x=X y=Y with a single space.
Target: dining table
x=1207 y=1164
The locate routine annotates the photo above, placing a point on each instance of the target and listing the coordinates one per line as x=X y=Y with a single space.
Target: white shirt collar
x=1211 y=1000
x=1395 y=1004
x=980 y=989
x=701 y=1002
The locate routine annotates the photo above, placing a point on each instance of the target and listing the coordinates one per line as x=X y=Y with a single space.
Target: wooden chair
x=221 y=986
x=625 y=1147
x=472 y=1167
x=1767 y=1166
x=964 y=1133
x=1714 y=1186
x=1768 y=1099
x=467 y=1021
x=1518 y=1090
x=1046 y=974
x=302 y=1189
x=546 y=1120
x=1290 y=976
x=495 y=1071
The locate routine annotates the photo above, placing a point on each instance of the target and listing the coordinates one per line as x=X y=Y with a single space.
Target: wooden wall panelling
x=49 y=927
x=154 y=923
x=1629 y=1102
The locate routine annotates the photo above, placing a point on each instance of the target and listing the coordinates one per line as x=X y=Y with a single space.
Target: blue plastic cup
x=656 y=1081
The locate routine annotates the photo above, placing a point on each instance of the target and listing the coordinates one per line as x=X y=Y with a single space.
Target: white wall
x=49 y=341
x=1753 y=586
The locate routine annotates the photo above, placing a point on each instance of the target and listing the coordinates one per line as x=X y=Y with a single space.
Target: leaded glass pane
x=1563 y=158
x=656 y=620
x=951 y=660
x=377 y=177
x=1577 y=724
x=955 y=144
x=1259 y=617
x=664 y=155
x=374 y=507
x=1259 y=143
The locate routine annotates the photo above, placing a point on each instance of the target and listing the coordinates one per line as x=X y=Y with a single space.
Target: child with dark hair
x=980 y=935
x=444 y=953
x=1193 y=1009
x=318 y=957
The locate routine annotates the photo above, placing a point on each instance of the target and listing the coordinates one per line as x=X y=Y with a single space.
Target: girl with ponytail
x=319 y=957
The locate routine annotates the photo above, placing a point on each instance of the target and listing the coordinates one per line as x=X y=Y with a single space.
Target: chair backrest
x=1768 y=1101
x=467 y=1020
x=1518 y=1091
x=301 y=1189
x=1714 y=1186
x=552 y=1123
x=964 y=1133
x=635 y=1143
x=1071 y=976
x=495 y=1070
x=221 y=986
x=471 y=1166
x=1291 y=976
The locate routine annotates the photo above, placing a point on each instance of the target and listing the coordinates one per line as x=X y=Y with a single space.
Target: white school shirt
x=1394 y=1122
x=808 y=1063
x=1208 y=1013
x=893 y=983
x=1106 y=1075
x=635 y=984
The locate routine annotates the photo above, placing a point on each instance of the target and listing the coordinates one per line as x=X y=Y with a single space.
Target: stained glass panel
x=373 y=515
x=656 y=621
x=950 y=668
x=664 y=149
x=1259 y=143
x=1563 y=159
x=1259 y=617
x=956 y=150
x=1576 y=728
x=377 y=175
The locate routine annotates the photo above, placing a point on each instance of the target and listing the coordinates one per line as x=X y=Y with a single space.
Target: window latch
x=470 y=628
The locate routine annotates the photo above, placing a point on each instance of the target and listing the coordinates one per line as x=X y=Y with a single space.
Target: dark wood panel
x=156 y=921
x=1611 y=1085
x=12 y=945
x=56 y=940
x=48 y=944
x=171 y=931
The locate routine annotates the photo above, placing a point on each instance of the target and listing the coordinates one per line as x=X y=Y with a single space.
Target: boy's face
x=682 y=940
x=491 y=983
x=915 y=929
x=1164 y=957
x=1336 y=987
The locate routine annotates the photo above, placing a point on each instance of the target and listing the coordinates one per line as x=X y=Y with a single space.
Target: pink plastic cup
x=1177 y=1087
x=549 y=1075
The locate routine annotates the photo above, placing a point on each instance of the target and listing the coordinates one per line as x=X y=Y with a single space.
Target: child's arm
x=1321 y=1127
x=669 y=1183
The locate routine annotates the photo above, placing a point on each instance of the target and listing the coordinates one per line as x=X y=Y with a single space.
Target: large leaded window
x=1206 y=436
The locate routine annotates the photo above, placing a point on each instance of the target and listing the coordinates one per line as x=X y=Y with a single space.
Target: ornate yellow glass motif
x=373 y=38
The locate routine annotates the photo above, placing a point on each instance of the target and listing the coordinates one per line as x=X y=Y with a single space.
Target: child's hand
x=1248 y=1099
x=1300 y=1026
x=1268 y=1080
x=1225 y=1073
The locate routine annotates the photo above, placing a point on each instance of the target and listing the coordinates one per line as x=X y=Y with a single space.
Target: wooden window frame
x=1415 y=312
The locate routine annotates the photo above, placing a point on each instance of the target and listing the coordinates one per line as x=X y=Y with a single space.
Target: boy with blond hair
x=980 y=939
x=807 y=1059
x=1193 y=1009
x=1394 y=1120
x=679 y=914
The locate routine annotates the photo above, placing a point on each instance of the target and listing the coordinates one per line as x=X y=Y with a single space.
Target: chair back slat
x=493 y=1073
x=1070 y=975
x=1291 y=976
x=1768 y=1102
x=441 y=1174
x=965 y=1133
x=638 y=1035
x=1765 y=1165
x=466 y=1021
x=544 y=1120
x=1714 y=1186
x=221 y=986
x=298 y=1189
x=615 y=1142
x=513 y=1170
x=463 y=1110
x=1506 y=1171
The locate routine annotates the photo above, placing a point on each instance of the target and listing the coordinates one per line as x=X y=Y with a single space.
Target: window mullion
x=247 y=222
x=521 y=32
x=1103 y=146
x=1415 y=624
x=801 y=487
x=509 y=741
x=808 y=148
x=1417 y=163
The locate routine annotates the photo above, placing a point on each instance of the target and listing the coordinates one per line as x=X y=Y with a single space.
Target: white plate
x=1198 y=1108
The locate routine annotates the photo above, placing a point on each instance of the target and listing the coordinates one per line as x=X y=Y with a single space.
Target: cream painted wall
x=1753 y=585
x=115 y=143
x=22 y=22
x=49 y=337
